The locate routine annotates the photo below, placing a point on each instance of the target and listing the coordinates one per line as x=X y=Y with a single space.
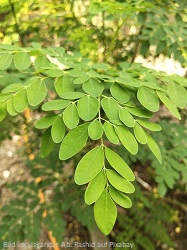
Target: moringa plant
x=90 y=108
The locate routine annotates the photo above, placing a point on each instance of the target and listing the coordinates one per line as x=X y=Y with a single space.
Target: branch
x=16 y=23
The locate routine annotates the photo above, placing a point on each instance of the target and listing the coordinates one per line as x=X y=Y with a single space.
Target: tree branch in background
x=16 y=23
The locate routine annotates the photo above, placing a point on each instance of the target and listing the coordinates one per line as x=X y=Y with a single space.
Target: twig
x=142 y=182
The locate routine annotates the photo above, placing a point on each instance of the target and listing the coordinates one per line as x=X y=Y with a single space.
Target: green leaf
x=119 y=182
x=127 y=81
x=154 y=148
x=89 y=166
x=13 y=88
x=119 y=93
x=162 y=189
x=177 y=94
x=36 y=92
x=95 y=130
x=127 y=139
x=22 y=60
x=105 y=212
x=72 y=95
x=3 y=111
x=93 y=87
x=95 y=188
x=139 y=112
x=166 y=101
x=120 y=198
x=73 y=142
x=20 y=101
x=10 y=107
x=110 y=133
x=41 y=62
x=88 y=108
x=70 y=116
x=148 y=99
x=126 y=117
x=47 y=143
x=76 y=72
x=63 y=85
x=55 y=105
x=81 y=79
x=45 y=121
x=119 y=164
x=150 y=125
x=55 y=72
x=140 y=134
x=58 y=130
x=5 y=60
x=4 y=97
x=111 y=108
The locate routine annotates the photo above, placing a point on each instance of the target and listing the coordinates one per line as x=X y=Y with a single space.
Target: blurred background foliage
x=111 y=32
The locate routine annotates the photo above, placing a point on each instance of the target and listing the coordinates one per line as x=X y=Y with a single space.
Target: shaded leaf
x=154 y=148
x=20 y=101
x=45 y=121
x=177 y=94
x=119 y=182
x=120 y=198
x=47 y=143
x=139 y=112
x=110 y=133
x=166 y=101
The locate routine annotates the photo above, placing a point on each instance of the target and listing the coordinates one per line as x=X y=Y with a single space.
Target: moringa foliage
x=95 y=103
